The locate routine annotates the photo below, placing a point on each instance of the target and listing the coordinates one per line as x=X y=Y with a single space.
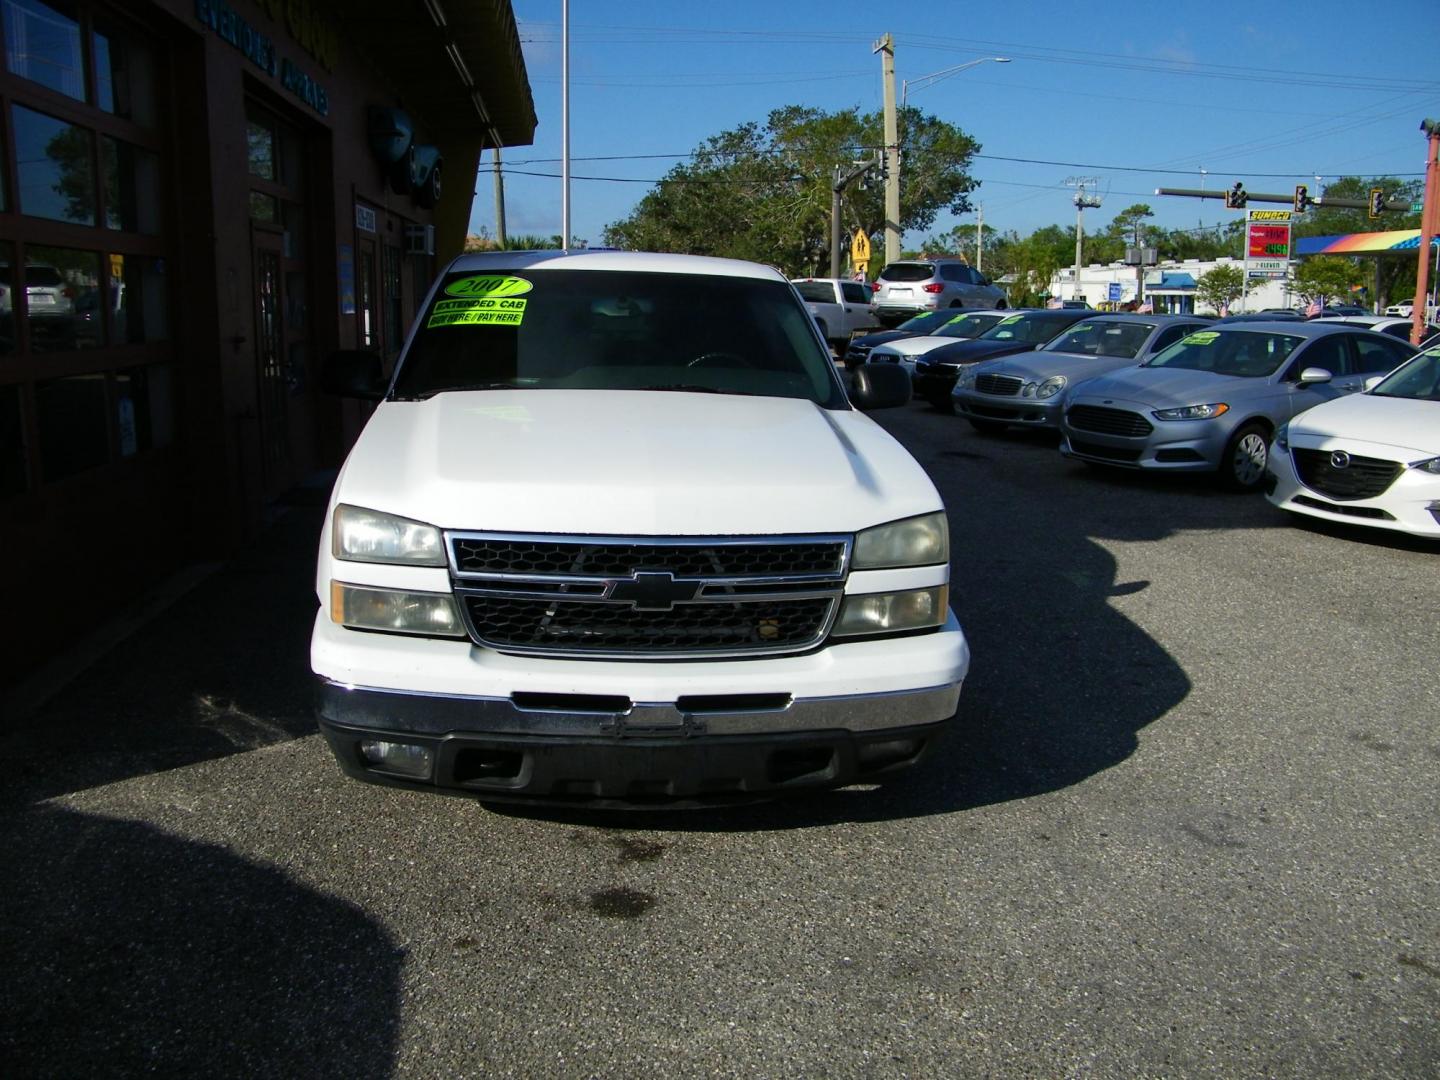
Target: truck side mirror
x=353 y=373
x=880 y=386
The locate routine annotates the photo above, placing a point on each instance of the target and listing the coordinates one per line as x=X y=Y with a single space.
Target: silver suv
x=906 y=289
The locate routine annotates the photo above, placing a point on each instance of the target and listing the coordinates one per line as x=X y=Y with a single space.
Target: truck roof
x=633 y=261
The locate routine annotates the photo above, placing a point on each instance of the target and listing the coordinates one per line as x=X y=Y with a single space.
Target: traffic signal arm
x=1287 y=199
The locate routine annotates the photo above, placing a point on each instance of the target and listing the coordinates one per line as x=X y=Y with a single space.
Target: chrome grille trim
x=1000 y=385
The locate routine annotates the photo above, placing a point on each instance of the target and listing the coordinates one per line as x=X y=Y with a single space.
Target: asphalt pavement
x=1186 y=824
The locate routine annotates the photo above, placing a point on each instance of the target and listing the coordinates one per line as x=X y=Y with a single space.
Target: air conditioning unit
x=419 y=239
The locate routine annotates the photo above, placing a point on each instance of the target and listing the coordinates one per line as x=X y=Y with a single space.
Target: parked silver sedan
x=1212 y=401
x=1026 y=389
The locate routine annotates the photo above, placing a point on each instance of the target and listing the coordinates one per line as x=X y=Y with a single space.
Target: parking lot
x=1185 y=825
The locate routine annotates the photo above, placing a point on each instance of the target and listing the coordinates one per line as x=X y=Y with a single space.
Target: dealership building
x=199 y=200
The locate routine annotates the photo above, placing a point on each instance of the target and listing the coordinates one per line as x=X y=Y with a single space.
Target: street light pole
x=886 y=48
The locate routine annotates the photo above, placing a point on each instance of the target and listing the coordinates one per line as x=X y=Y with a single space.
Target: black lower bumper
x=630 y=770
x=936 y=383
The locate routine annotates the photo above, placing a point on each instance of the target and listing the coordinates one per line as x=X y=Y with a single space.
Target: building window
x=42 y=44
x=55 y=163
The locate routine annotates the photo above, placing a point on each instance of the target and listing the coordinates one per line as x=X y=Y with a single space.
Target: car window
x=1329 y=353
x=953 y=272
x=1376 y=355
x=1034 y=328
x=1170 y=335
x=539 y=328
x=1099 y=338
x=821 y=292
x=1398 y=330
x=46 y=276
x=854 y=292
x=965 y=326
x=924 y=324
x=1242 y=353
x=1419 y=379
x=908 y=272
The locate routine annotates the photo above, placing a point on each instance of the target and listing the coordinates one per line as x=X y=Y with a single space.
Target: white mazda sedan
x=1367 y=459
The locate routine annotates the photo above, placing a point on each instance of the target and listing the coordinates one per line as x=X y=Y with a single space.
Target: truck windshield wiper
x=458 y=388
x=695 y=388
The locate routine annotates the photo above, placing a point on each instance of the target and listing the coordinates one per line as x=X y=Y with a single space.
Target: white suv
x=906 y=289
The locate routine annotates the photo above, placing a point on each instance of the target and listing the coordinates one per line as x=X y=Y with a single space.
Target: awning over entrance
x=1365 y=243
x=1172 y=283
x=456 y=64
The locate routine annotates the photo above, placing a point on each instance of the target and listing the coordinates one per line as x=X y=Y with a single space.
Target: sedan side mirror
x=880 y=386
x=353 y=373
x=1313 y=375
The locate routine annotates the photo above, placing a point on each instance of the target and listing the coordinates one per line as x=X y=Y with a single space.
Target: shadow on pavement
x=128 y=951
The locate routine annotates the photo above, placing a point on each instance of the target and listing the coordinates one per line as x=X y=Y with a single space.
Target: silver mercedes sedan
x=1212 y=401
x=1026 y=389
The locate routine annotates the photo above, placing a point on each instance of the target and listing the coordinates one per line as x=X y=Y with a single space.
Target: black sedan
x=937 y=370
x=946 y=323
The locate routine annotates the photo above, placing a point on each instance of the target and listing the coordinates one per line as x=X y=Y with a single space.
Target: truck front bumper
x=704 y=734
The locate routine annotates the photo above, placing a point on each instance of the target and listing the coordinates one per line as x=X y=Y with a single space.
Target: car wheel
x=987 y=427
x=1246 y=455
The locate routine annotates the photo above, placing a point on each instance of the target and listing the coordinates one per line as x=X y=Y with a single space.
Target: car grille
x=1108 y=421
x=1362 y=478
x=632 y=599
x=1109 y=453
x=1002 y=385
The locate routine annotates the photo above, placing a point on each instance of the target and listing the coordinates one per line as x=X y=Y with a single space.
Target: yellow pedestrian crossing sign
x=860 y=249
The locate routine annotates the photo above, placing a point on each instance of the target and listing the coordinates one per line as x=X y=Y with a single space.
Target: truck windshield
x=537 y=328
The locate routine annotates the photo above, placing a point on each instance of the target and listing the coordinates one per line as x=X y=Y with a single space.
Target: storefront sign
x=229 y=26
x=1267 y=243
x=364 y=218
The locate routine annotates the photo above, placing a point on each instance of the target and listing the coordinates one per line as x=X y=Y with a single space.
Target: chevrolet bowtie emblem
x=654 y=591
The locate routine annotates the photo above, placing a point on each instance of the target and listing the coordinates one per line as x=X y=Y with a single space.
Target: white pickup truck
x=841 y=308
x=617 y=534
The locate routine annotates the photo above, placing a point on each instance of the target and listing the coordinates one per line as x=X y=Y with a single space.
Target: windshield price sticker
x=488 y=286
x=1202 y=337
x=490 y=312
x=957 y=318
x=1012 y=318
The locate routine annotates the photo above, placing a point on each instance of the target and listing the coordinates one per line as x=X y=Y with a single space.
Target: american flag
x=1312 y=309
x=1147 y=308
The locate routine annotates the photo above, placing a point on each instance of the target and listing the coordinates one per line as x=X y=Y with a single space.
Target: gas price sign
x=1267 y=239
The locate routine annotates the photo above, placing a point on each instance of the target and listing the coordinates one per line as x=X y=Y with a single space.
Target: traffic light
x=1302 y=198
x=1236 y=197
x=1377 y=202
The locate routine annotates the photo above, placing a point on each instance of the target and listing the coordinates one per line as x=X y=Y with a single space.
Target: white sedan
x=1367 y=459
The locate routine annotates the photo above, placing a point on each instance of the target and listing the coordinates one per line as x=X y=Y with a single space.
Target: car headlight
x=892 y=613
x=364 y=608
x=1429 y=465
x=360 y=535
x=917 y=541
x=1193 y=412
x=1282 y=436
x=1047 y=389
x=966 y=378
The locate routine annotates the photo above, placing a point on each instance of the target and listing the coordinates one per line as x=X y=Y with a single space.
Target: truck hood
x=621 y=462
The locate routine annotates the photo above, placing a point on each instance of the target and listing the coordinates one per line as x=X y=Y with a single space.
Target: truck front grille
x=636 y=598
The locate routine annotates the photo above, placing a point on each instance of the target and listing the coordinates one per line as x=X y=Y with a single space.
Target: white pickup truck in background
x=841 y=308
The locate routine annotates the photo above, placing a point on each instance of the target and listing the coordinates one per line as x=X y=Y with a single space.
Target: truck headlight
x=364 y=608
x=891 y=613
x=360 y=535
x=917 y=541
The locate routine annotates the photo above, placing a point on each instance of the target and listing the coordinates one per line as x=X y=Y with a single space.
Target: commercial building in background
x=199 y=199
x=1169 y=286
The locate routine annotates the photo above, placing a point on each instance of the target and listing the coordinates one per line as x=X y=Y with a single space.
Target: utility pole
x=1429 y=211
x=886 y=48
x=841 y=180
x=499 y=201
x=1080 y=183
x=979 y=234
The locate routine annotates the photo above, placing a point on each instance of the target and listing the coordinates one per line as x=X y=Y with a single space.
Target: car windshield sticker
x=498 y=312
x=1082 y=326
x=1202 y=337
x=1012 y=318
x=488 y=286
x=957 y=318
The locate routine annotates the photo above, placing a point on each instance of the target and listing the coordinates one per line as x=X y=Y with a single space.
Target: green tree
x=763 y=192
x=1221 y=286
x=1396 y=273
x=1326 y=278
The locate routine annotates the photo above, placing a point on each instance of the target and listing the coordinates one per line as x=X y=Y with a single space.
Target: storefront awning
x=1365 y=243
x=456 y=64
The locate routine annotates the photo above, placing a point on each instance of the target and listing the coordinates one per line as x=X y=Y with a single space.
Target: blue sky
x=1093 y=90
